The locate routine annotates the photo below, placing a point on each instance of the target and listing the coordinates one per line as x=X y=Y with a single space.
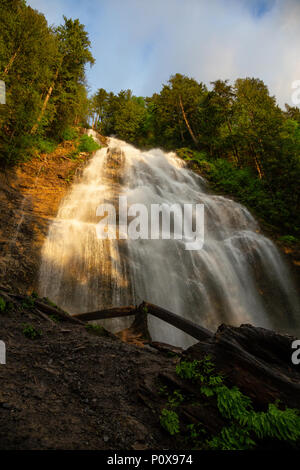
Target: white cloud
x=138 y=44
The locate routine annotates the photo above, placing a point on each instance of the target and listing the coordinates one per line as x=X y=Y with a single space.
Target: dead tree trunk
x=11 y=61
x=34 y=129
x=198 y=332
x=187 y=122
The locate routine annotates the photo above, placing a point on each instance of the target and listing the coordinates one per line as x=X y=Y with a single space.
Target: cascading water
x=238 y=276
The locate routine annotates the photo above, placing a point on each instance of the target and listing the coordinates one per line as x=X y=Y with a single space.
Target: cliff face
x=29 y=198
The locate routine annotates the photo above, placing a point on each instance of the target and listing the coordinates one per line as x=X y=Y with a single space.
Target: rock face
x=30 y=195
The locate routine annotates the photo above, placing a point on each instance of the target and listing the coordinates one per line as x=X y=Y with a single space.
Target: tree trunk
x=187 y=122
x=258 y=168
x=257 y=162
x=34 y=129
x=198 y=332
x=12 y=59
x=233 y=143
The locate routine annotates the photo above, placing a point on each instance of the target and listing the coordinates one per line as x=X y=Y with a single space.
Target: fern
x=176 y=399
x=170 y=421
x=232 y=438
x=283 y=425
x=233 y=404
x=245 y=424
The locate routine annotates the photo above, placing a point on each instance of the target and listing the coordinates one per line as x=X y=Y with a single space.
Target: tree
x=69 y=75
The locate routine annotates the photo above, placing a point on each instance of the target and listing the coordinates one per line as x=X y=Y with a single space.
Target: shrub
x=244 y=426
x=45 y=145
x=289 y=239
x=31 y=332
x=69 y=134
x=169 y=421
x=28 y=302
x=87 y=144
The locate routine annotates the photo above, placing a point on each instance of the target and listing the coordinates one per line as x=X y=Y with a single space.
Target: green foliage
x=195 y=433
x=188 y=370
x=28 y=303
x=283 y=425
x=170 y=421
x=278 y=424
x=2 y=304
x=31 y=332
x=55 y=318
x=48 y=301
x=44 y=71
x=45 y=145
x=87 y=144
x=185 y=153
x=198 y=370
x=97 y=330
x=289 y=239
x=163 y=390
x=232 y=438
x=245 y=425
x=235 y=135
x=232 y=403
x=69 y=133
x=226 y=177
x=175 y=399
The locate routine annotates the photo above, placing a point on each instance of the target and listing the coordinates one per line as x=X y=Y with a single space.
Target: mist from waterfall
x=237 y=277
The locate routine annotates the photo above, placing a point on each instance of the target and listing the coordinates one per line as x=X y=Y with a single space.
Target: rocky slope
x=69 y=386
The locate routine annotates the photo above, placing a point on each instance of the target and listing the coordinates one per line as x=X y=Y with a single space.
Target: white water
x=238 y=276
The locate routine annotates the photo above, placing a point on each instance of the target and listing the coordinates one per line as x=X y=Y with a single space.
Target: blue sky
x=138 y=44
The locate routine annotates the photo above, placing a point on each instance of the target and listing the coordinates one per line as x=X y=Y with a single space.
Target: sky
x=139 y=44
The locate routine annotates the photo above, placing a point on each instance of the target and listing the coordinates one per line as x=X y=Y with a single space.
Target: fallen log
x=48 y=309
x=198 y=332
x=183 y=324
x=113 y=312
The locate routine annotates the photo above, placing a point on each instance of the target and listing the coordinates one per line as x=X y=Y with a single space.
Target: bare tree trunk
x=187 y=122
x=12 y=59
x=234 y=146
x=34 y=129
x=257 y=162
x=259 y=171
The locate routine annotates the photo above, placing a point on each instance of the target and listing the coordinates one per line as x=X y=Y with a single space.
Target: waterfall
x=237 y=277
